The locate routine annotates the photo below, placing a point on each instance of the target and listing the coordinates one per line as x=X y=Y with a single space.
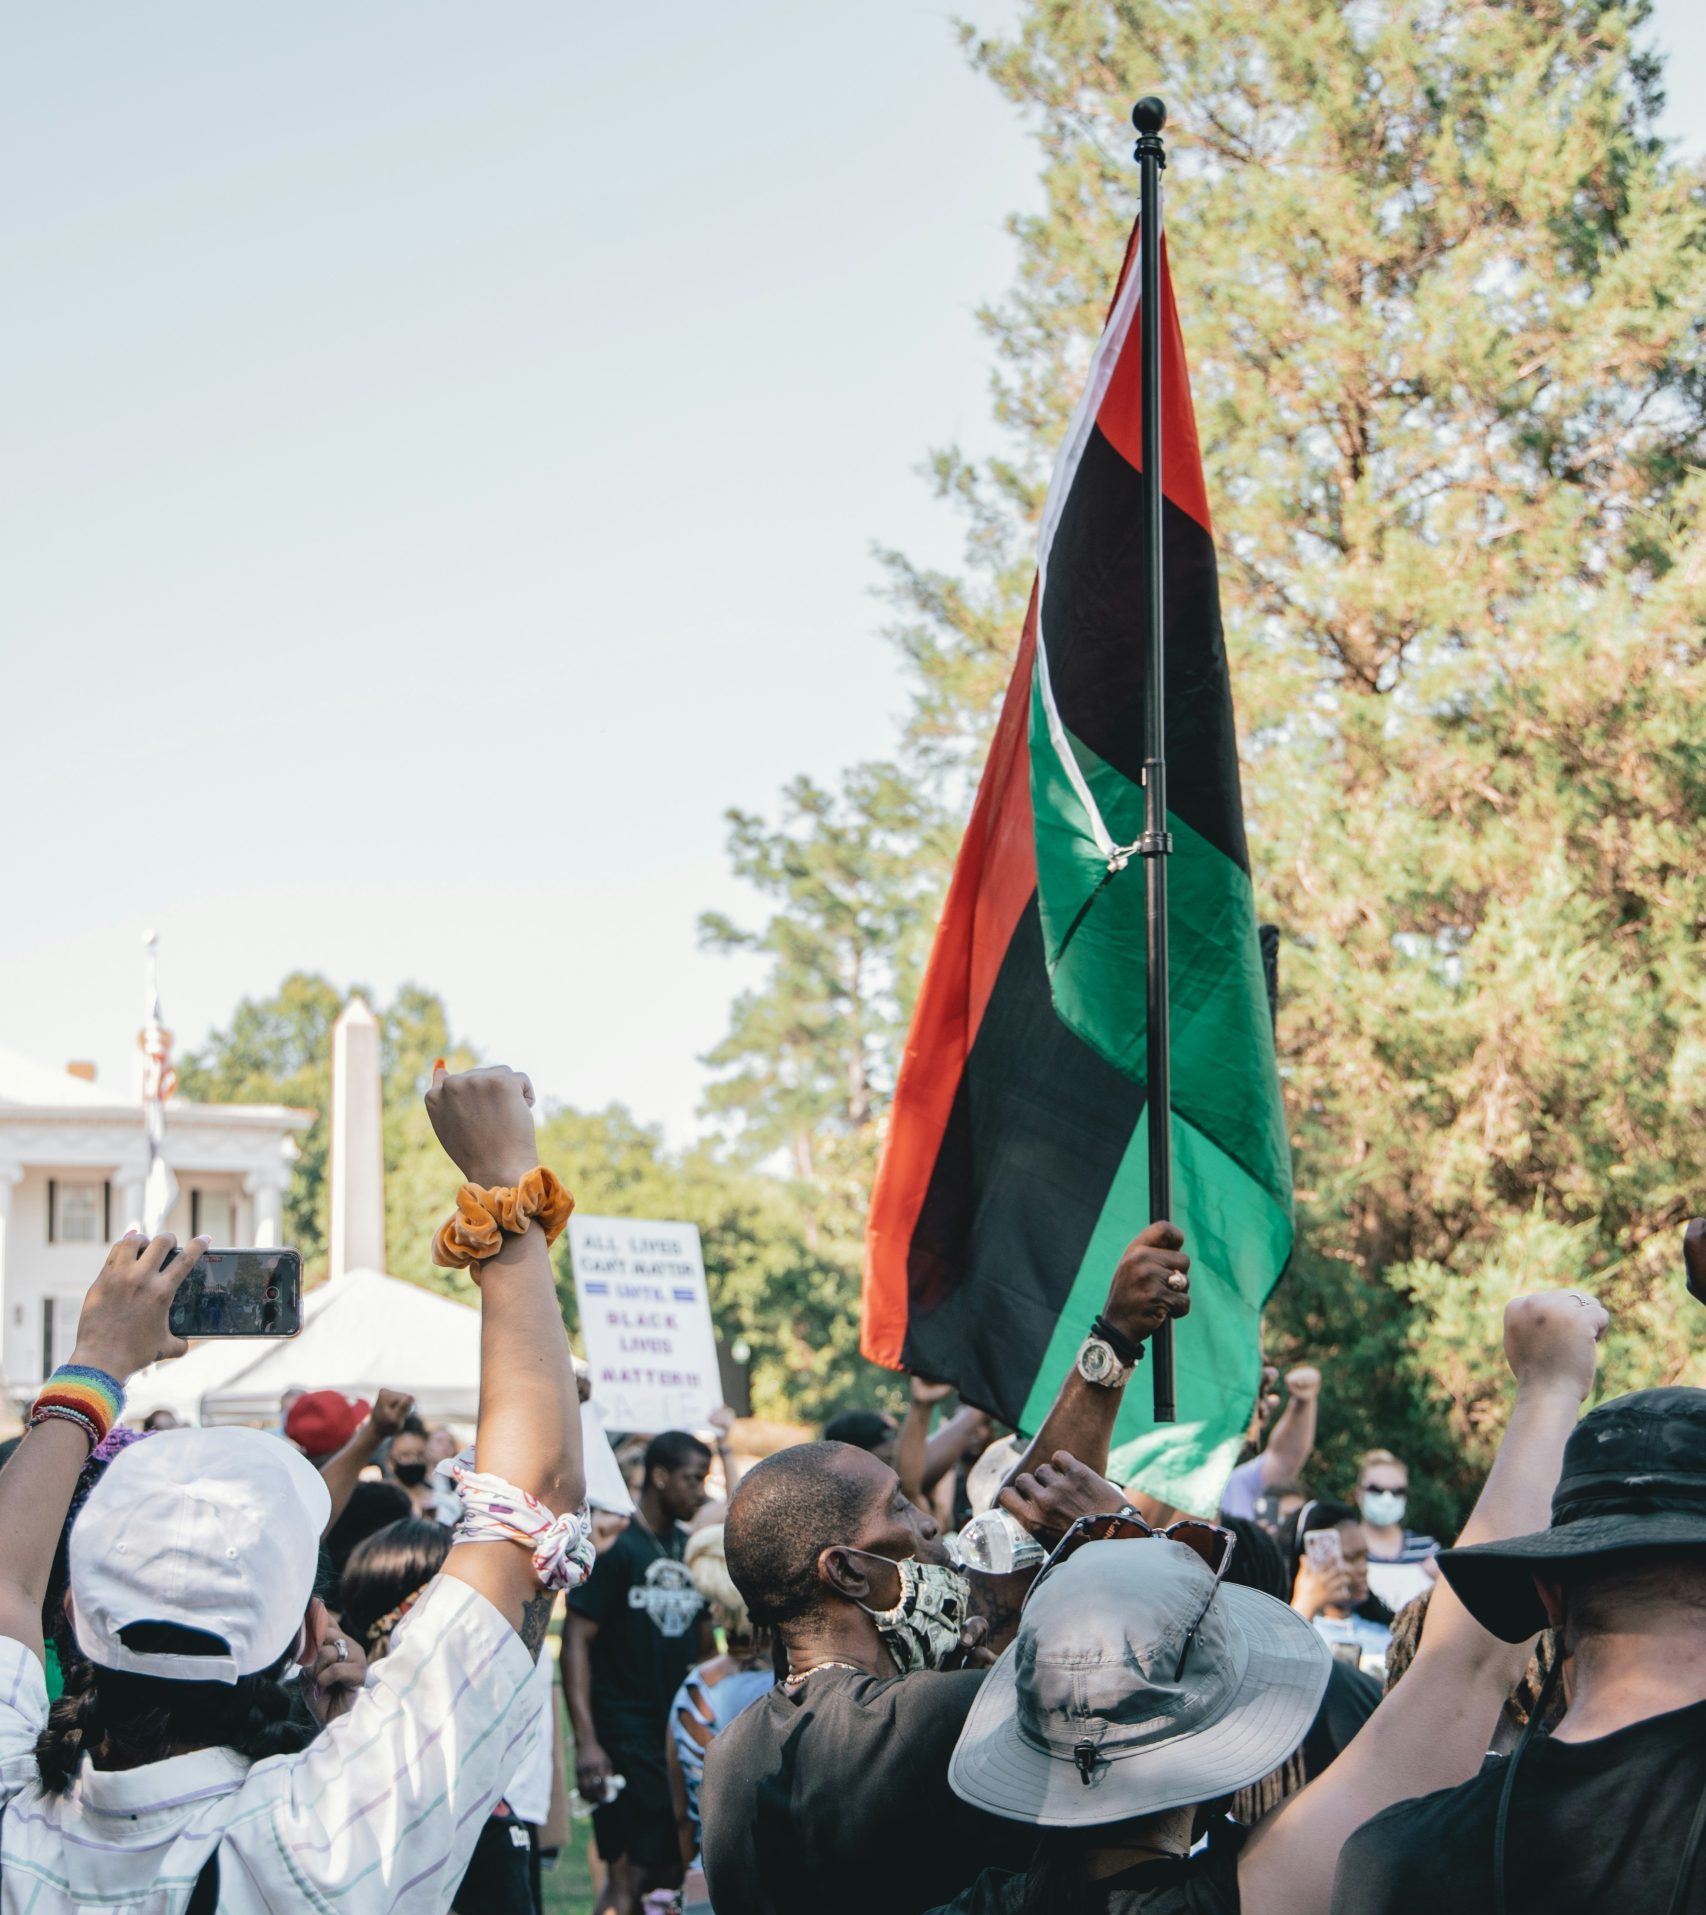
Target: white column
x=358 y=1151
x=127 y=1196
x=11 y=1173
x=265 y=1189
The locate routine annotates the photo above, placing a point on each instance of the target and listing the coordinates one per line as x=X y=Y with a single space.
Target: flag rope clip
x=1153 y=844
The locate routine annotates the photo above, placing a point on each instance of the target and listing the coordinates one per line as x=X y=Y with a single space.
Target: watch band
x=1129 y=1353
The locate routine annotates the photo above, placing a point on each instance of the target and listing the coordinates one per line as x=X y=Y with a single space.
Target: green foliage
x=1442 y=291
x=854 y=875
x=809 y=1062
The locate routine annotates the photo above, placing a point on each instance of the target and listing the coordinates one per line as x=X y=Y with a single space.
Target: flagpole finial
x=1149 y=116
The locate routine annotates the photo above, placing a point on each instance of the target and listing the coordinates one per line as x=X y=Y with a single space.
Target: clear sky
x=443 y=452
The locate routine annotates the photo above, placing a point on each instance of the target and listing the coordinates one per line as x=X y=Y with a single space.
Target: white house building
x=73 y=1157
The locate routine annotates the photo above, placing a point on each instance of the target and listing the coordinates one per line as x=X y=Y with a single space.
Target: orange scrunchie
x=484 y=1217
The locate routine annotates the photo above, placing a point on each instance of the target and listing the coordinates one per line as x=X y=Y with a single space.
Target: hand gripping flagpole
x=1149 y=116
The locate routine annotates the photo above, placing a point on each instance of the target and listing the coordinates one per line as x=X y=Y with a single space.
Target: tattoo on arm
x=998 y=1599
x=535 y=1620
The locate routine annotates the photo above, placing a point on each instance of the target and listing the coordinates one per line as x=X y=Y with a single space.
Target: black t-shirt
x=1594 y=1826
x=642 y=1598
x=838 y=1802
x=1202 y=1884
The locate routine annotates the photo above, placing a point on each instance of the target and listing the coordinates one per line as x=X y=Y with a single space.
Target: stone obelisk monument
x=358 y=1157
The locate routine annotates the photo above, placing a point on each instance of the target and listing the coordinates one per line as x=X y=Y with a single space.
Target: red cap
x=323 y=1421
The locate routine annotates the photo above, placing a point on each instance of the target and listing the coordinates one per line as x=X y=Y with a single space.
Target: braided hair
x=130 y=1720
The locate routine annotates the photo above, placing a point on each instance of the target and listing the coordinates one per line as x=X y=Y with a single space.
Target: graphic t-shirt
x=1594 y=1826
x=642 y=1598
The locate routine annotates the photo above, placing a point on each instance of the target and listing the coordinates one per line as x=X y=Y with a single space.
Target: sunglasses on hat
x=1211 y=1544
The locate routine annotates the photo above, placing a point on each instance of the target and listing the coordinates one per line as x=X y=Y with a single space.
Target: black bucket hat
x=1634 y=1477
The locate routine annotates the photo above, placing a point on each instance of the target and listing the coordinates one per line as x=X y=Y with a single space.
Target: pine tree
x=1443 y=293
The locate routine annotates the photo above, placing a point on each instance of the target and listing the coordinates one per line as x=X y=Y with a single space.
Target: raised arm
x=912 y=1445
x=1432 y=1731
x=341 y=1473
x=947 y=1445
x=529 y=1429
x=1291 y=1441
x=1151 y=1284
x=123 y=1327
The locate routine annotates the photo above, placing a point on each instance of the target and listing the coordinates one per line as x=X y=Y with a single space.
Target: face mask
x=409 y=1474
x=1383 y=1507
x=922 y=1630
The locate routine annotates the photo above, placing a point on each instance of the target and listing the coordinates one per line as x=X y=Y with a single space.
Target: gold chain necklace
x=793 y=1678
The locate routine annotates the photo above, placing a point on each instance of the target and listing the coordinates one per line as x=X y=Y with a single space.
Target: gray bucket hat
x=1081 y=1723
x=1634 y=1477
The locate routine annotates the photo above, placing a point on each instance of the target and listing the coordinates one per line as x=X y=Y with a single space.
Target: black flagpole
x=1149 y=116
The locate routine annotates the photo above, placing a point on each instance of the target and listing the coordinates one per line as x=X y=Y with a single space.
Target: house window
x=78 y=1212
x=210 y=1215
x=47 y=1362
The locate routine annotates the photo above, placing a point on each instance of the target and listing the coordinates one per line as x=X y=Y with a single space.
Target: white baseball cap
x=216 y=1530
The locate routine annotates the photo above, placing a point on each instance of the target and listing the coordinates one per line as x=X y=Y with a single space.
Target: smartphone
x=1323 y=1549
x=240 y=1293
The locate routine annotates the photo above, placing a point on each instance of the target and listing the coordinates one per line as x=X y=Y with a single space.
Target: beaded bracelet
x=483 y=1218
x=78 y=1394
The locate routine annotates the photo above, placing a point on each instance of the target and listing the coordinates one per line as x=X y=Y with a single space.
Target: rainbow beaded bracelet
x=79 y=1394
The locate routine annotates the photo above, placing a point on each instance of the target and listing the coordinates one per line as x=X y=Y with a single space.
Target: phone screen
x=240 y=1293
x=1324 y=1549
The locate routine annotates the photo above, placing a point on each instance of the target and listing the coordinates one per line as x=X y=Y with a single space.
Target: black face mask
x=409 y=1474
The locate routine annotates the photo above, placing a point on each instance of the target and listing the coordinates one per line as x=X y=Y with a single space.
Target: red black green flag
x=1015 y=1169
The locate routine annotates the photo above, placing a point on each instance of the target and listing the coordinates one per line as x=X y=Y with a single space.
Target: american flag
x=159 y=1080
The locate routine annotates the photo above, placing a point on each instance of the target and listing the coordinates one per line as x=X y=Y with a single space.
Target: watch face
x=1096 y=1362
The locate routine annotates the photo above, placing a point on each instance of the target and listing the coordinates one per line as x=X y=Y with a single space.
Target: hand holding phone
x=1324 y=1550
x=240 y=1293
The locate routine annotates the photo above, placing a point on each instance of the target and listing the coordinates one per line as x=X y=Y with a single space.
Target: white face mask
x=1383 y=1507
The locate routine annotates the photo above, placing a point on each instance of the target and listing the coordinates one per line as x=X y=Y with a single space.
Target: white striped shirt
x=377 y=1816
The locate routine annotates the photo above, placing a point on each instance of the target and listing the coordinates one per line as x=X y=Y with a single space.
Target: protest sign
x=646 y=1322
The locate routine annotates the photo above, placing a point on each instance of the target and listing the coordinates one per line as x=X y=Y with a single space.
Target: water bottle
x=580 y=1807
x=998 y=1545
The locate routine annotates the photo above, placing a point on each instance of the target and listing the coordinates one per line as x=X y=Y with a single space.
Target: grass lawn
x=568 y=1887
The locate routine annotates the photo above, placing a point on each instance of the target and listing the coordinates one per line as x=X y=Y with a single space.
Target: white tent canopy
x=362 y=1332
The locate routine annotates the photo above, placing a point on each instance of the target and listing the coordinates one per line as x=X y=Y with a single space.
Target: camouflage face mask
x=922 y=1630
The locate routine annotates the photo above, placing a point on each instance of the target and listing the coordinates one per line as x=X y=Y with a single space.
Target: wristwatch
x=1106 y=1358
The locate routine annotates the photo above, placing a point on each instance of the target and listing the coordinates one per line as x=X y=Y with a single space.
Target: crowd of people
x=927 y=1666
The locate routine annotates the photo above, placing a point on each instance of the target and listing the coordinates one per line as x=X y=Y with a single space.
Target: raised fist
x=484 y=1120
x=390 y=1408
x=1552 y=1340
x=1151 y=1284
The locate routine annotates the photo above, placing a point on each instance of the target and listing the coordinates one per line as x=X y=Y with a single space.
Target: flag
x=1015 y=1168
x=159 y=1081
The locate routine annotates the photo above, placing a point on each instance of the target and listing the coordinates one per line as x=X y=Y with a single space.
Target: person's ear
x=843 y=1571
x=316 y=1627
x=1552 y=1601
